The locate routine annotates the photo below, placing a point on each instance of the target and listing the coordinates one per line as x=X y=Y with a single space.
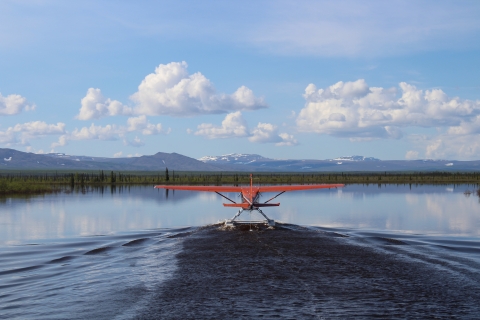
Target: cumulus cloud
x=94 y=105
x=118 y=154
x=113 y=132
x=411 y=155
x=287 y=140
x=232 y=126
x=7 y=137
x=141 y=124
x=171 y=90
x=268 y=133
x=450 y=146
x=14 y=104
x=33 y=150
x=39 y=128
x=134 y=155
x=355 y=110
x=108 y=132
x=264 y=133
x=24 y=132
x=137 y=142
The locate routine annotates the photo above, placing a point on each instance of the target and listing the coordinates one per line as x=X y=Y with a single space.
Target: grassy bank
x=27 y=182
x=19 y=187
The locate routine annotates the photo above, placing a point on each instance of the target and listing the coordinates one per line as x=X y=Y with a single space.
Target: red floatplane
x=250 y=196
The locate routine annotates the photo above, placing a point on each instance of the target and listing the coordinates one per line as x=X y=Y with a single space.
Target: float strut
x=270 y=222
x=230 y=222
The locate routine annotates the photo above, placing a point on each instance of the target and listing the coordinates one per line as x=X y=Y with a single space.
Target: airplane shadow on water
x=300 y=272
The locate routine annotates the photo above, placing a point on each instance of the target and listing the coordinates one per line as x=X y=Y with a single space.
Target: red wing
x=295 y=188
x=202 y=188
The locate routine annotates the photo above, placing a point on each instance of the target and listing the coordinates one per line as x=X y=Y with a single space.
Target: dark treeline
x=32 y=182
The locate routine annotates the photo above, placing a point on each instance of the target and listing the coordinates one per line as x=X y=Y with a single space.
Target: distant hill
x=14 y=159
x=255 y=162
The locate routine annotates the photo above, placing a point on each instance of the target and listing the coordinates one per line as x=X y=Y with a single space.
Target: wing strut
x=274 y=197
x=225 y=197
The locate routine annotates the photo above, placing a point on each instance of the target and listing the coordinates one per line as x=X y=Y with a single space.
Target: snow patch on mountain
x=355 y=158
x=233 y=158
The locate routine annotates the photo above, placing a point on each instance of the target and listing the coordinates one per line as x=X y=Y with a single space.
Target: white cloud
x=118 y=154
x=172 y=91
x=94 y=105
x=355 y=110
x=411 y=155
x=22 y=133
x=448 y=146
x=268 y=133
x=39 y=128
x=140 y=123
x=111 y=132
x=287 y=140
x=108 y=132
x=137 y=142
x=232 y=126
x=7 y=137
x=134 y=155
x=265 y=133
x=14 y=104
x=62 y=141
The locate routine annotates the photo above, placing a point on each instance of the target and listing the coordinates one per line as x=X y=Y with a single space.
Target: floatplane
x=250 y=196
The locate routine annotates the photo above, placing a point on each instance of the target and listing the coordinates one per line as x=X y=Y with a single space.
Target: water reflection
x=426 y=209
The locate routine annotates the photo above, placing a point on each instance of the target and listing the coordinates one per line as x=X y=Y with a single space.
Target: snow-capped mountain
x=355 y=158
x=233 y=158
x=241 y=158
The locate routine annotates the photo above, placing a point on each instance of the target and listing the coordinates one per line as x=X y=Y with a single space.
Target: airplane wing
x=296 y=188
x=202 y=188
x=260 y=189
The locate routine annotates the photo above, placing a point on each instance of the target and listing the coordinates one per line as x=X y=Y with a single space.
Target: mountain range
x=11 y=159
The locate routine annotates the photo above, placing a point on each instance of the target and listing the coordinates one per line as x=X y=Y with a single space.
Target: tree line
x=38 y=181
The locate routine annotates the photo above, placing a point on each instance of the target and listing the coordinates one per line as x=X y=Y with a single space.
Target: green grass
x=18 y=187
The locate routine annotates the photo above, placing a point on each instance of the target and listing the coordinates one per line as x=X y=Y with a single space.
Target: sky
x=283 y=79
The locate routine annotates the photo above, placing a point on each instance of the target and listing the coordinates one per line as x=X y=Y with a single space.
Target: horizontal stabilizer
x=258 y=205
x=247 y=205
x=237 y=205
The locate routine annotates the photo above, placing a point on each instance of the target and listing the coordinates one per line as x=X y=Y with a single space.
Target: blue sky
x=284 y=79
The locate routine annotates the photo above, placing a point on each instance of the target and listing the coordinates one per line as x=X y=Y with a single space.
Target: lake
x=107 y=252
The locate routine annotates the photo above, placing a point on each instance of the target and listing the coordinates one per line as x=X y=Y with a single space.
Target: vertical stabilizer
x=251 y=187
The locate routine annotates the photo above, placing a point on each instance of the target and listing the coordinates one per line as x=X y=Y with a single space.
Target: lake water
x=106 y=252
